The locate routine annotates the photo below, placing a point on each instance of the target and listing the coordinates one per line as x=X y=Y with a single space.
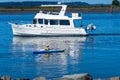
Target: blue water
x=98 y=55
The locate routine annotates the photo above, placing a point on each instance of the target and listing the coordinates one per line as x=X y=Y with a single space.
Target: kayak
x=47 y=51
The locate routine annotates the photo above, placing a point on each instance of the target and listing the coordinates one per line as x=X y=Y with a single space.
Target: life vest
x=47 y=48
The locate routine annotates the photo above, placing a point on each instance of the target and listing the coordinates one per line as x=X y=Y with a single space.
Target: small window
x=40 y=21
x=53 y=22
x=46 y=22
x=64 y=22
x=34 y=21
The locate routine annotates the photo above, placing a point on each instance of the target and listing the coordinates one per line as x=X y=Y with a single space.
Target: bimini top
x=54 y=15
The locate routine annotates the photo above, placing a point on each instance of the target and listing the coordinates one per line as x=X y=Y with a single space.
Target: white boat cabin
x=56 y=19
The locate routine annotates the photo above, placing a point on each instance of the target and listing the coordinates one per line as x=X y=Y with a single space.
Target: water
x=94 y=54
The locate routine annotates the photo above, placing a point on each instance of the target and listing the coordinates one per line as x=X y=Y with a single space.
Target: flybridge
x=62 y=11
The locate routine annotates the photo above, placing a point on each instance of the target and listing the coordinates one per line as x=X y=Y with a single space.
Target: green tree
x=115 y=2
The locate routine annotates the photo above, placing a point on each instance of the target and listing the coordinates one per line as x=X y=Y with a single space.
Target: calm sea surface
x=96 y=54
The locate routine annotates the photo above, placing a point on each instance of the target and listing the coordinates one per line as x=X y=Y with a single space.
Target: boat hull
x=22 y=30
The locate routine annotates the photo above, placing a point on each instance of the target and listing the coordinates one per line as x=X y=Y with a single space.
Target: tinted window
x=64 y=22
x=46 y=22
x=53 y=22
x=40 y=21
x=34 y=21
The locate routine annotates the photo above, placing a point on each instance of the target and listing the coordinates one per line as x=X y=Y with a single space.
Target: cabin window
x=64 y=22
x=34 y=21
x=40 y=21
x=53 y=22
x=46 y=22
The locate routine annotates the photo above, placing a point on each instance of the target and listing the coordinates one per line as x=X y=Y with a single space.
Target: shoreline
x=81 y=76
x=70 y=9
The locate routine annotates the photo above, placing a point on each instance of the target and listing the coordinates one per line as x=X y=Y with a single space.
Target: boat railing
x=49 y=12
x=63 y=8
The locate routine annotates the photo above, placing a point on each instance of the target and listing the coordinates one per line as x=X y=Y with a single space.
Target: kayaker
x=47 y=47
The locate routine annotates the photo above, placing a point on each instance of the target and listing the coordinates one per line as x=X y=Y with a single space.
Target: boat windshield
x=34 y=21
x=40 y=21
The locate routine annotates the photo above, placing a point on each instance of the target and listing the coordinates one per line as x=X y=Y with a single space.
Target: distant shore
x=70 y=9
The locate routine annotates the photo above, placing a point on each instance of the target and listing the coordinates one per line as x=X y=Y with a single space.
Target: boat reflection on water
x=57 y=62
x=36 y=43
x=72 y=45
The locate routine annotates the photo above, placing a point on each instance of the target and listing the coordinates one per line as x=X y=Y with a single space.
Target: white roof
x=50 y=16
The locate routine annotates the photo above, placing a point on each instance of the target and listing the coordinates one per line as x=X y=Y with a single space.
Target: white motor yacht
x=50 y=24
